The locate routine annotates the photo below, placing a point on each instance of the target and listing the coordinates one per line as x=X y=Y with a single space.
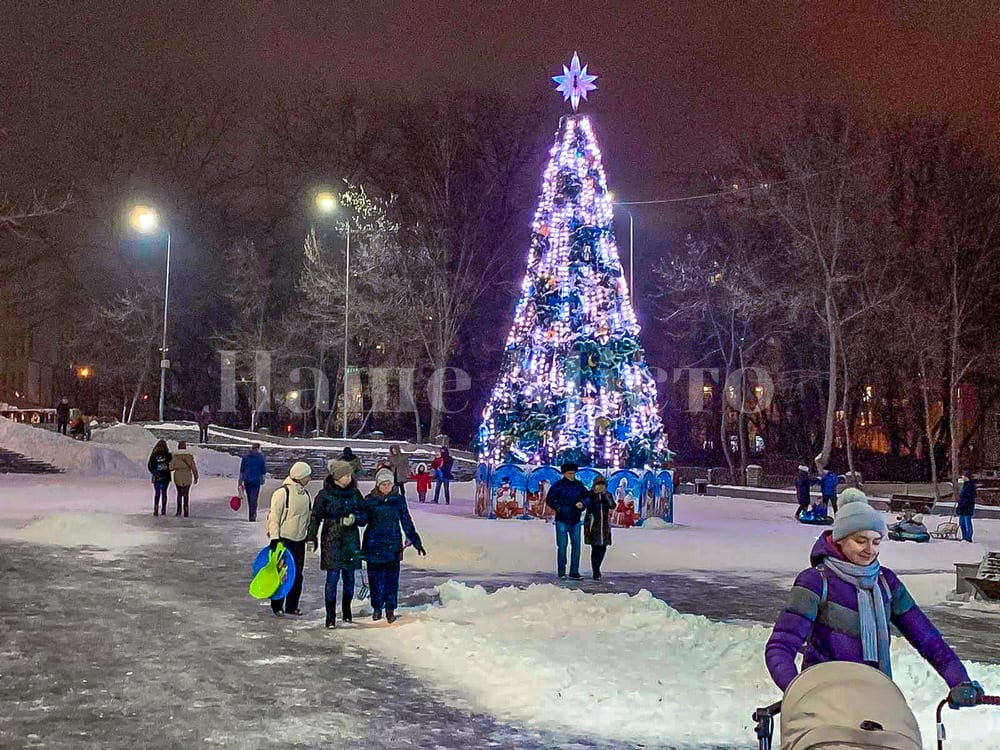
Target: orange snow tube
x=841 y=705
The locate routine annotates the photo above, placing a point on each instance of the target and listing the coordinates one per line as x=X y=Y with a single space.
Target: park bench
x=915 y=503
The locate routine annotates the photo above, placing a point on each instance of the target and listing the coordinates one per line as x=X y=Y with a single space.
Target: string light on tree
x=574 y=383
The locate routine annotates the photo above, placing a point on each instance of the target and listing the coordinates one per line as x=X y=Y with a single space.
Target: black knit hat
x=568 y=466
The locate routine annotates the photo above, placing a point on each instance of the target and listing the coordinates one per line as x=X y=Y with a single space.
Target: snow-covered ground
x=612 y=666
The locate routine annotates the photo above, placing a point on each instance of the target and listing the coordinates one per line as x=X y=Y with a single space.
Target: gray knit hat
x=383 y=475
x=854 y=514
x=338 y=469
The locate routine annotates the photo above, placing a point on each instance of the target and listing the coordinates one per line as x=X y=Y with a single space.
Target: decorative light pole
x=146 y=220
x=326 y=204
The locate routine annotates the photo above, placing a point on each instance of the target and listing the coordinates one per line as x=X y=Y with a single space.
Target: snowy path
x=145 y=651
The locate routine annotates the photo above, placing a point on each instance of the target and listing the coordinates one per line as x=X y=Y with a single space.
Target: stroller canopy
x=841 y=705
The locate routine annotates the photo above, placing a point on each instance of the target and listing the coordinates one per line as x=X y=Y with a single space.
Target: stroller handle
x=985 y=700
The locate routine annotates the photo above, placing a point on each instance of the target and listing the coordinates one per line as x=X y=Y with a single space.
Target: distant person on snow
x=568 y=498
x=444 y=463
x=62 y=415
x=383 y=512
x=597 y=524
x=802 y=484
x=842 y=607
x=288 y=523
x=253 y=470
x=159 y=472
x=336 y=510
x=185 y=474
x=355 y=462
x=423 y=480
x=204 y=418
x=966 y=506
x=400 y=466
x=828 y=488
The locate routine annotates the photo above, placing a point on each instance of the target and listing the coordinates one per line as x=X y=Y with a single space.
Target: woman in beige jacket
x=185 y=474
x=288 y=522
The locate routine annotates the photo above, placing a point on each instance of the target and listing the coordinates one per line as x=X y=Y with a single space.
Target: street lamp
x=326 y=204
x=145 y=220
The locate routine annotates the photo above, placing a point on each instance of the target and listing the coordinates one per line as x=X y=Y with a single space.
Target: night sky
x=677 y=78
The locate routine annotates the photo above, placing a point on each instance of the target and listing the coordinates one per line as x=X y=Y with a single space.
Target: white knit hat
x=300 y=470
x=854 y=514
x=383 y=475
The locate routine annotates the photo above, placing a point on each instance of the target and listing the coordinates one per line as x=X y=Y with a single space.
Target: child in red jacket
x=423 y=480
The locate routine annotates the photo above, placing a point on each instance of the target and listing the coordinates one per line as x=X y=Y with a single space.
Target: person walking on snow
x=159 y=471
x=400 y=466
x=568 y=498
x=185 y=474
x=828 y=489
x=444 y=465
x=597 y=524
x=353 y=460
x=383 y=512
x=288 y=523
x=423 y=480
x=253 y=470
x=62 y=415
x=336 y=509
x=966 y=508
x=841 y=608
x=802 y=484
x=204 y=419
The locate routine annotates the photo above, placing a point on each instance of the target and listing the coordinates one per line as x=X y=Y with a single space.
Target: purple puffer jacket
x=831 y=632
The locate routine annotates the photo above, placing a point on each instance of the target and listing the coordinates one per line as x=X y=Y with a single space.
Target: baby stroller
x=841 y=705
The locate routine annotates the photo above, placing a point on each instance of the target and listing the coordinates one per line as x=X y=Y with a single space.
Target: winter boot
x=178 y=507
x=185 y=507
x=156 y=509
x=346 y=606
x=331 y=616
x=390 y=616
x=377 y=615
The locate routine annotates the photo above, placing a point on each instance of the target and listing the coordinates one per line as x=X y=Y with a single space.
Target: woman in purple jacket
x=841 y=608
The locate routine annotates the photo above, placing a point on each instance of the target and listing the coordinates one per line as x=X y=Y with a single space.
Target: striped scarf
x=871 y=609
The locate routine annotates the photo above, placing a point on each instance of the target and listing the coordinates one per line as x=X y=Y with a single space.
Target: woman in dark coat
x=336 y=509
x=159 y=472
x=597 y=524
x=383 y=512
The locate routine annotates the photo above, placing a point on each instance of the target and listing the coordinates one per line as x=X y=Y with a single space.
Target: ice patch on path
x=66 y=453
x=626 y=668
x=105 y=531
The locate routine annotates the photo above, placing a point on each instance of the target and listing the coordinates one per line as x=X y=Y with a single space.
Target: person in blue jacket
x=802 y=484
x=568 y=498
x=382 y=514
x=966 y=506
x=253 y=470
x=828 y=488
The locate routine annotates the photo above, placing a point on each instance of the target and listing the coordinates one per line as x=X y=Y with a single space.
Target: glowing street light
x=146 y=220
x=326 y=202
x=83 y=372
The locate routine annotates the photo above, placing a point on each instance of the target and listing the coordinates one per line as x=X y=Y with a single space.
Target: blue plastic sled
x=286 y=585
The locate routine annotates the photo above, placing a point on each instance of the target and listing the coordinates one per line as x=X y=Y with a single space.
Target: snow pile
x=622 y=668
x=136 y=442
x=105 y=531
x=66 y=453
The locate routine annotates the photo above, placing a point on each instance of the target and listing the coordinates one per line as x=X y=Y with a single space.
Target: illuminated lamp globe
x=144 y=219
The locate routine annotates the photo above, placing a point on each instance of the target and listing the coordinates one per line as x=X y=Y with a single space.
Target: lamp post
x=326 y=204
x=146 y=220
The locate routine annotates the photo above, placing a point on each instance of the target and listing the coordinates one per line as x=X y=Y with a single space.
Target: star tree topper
x=575 y=82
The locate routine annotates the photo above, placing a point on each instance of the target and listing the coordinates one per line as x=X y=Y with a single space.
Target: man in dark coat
x=204 y=419
x=966 y=506
x=443 y=465
x=568 y=498
x=382 y=514
x=802 y=484
x=828 y=488
x=336 y=508
x=62 y=415
x=253 y=470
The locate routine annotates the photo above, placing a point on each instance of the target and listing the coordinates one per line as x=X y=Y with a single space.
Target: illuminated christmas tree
x=574 y=383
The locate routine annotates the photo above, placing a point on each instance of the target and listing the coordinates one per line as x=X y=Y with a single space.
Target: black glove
x=965 y=695
x=273 y=545
x=421 y=551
